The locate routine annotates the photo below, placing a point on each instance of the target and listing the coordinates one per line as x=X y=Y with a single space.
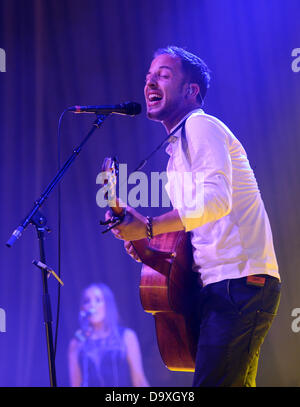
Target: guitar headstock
x=110 y=165
x=109 y=173
x=110 y=170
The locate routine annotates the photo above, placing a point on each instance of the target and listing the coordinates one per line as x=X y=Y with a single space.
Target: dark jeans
x=235 y=318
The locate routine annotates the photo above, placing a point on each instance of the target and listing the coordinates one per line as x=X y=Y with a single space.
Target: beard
x=164 y=112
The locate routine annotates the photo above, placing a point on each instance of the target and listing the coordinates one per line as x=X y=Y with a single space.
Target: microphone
x=44 y=267
x=127 y=108
x=85 y=314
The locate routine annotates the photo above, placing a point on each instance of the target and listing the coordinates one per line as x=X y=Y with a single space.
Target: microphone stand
x=39 y=221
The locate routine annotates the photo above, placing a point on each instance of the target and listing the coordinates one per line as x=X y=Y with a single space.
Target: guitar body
x=168 y=286
x=168 y=290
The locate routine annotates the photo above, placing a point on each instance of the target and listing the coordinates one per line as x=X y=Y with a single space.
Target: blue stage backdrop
x=56 y=54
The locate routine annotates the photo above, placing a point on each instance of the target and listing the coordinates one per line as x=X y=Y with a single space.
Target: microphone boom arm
x=38 y=203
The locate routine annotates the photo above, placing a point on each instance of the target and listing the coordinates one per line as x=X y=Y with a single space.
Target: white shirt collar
x=185 y=117
x=174 y=137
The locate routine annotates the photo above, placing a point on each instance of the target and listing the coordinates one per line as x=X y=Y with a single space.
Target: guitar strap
x=144 y=162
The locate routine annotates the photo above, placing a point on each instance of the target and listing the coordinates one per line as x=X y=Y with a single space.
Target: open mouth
x=154 y=98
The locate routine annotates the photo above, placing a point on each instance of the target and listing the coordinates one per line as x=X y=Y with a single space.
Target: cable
x=58 y=230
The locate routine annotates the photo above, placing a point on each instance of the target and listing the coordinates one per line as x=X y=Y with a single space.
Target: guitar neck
x=116 y=207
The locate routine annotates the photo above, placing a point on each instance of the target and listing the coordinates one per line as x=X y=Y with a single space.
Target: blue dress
x=104 y=363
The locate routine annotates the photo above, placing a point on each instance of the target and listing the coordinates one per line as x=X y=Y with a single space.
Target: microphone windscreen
x=132 y=108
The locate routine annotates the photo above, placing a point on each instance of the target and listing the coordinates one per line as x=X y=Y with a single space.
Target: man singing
x=230 y=232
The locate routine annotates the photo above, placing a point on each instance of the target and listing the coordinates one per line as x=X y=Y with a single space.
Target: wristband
x=149 y=227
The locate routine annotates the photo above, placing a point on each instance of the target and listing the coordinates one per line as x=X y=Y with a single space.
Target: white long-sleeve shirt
x=213 y=187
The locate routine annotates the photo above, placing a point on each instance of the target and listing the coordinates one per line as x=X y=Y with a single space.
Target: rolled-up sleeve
x=206 y=181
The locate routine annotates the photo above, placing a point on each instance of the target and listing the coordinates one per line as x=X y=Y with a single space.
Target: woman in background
x=102 y=353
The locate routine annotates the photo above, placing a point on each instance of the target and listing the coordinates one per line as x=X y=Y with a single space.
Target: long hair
x=111 y=319
x=92 y=351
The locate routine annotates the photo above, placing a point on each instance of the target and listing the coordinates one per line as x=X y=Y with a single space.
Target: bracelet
x=149 y=227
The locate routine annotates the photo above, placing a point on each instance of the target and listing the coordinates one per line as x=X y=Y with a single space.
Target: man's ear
x=193 y=89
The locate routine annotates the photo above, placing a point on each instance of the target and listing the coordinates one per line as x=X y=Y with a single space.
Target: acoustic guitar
x=168 y=286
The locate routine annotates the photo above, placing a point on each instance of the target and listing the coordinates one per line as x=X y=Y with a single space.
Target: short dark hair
x=194 y=67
